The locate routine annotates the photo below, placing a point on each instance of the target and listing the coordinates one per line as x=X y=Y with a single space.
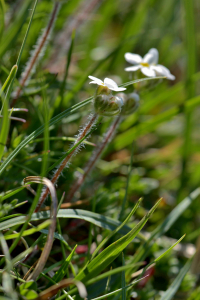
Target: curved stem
x=47 y=248
x=66 y=160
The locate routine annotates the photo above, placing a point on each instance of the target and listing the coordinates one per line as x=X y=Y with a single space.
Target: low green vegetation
x=99 y=149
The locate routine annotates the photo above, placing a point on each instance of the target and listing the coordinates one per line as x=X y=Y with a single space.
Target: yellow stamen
x=144 y=64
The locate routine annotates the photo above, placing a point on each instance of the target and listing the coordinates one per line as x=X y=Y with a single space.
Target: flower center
x=144 y=64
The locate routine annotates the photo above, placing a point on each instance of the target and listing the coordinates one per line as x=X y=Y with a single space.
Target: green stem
x=127 y=185
x=190 y=90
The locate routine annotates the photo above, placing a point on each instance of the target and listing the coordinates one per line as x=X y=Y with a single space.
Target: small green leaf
x=29 y=294
x=29 y=285
x=14 y=202
x=17 y=140
x=8 y=81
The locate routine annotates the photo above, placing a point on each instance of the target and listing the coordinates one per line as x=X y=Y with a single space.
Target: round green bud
x=105 y=105
x=131 y=103
x=103 y=90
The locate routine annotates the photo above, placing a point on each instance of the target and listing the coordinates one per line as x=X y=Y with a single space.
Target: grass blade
x=117 y=229
x=60 y=274
x=4 y=126
x=13 y=31
x=123 y=280
x=40 y=130
x=97 y=219
x=169 y=294
x=190 y=86
x=100 y=262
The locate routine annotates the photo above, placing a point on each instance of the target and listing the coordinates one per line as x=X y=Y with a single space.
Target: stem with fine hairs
x=66 y=160
x=41 y=43
x=96 y=155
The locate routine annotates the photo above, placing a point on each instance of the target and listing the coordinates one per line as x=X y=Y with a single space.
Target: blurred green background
x=164 y=132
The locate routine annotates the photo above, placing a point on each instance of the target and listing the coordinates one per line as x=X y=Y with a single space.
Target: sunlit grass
x=108 y=243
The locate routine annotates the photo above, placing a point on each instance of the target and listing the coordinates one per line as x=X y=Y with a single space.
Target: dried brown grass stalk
x=53 y=290
x=37 y=53
x=47 y=248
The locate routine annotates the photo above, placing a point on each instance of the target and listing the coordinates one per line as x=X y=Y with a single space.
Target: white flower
x=109 y=83
x=148 y=64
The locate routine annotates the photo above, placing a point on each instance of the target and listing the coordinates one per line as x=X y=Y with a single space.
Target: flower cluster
x=108 y=105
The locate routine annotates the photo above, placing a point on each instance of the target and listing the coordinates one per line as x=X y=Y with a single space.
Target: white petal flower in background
x=111 y=84
x=148 y=64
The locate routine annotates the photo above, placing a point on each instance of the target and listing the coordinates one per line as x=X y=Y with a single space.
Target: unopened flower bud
x=103 y=90
x=131 y=102
x=107 y=105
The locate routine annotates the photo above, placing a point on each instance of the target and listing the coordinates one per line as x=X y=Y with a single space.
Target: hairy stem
x=66 y=160
x=81 y=15
x=36 y=54
x=96 y=155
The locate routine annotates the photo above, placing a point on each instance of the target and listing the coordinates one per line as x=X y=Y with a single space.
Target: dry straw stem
x=82 y=14
x=96 y=155
x=66 y=160
x=16 y=119
x=53 y=290
x=47 y=248
x=69 y=205
x=37 y=53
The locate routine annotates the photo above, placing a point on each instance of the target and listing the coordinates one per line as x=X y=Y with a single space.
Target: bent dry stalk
x=47 y=248
x=37 y=53
x=66 y=160
x=96 y=155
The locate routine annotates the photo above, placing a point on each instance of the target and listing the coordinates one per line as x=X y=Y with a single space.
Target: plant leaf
x=171 y=291
x=100 y=262
x=88 y=216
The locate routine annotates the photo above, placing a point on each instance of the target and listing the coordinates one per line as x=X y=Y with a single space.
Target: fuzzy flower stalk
x=37 y=53
x=105 y=104
x=130 y=104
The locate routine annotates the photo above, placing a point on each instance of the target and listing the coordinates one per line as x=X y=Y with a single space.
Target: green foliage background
x=164 y=132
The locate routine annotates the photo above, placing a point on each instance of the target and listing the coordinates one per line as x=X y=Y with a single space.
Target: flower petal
x=133 y=68
x=133 y=58
x=162 y=70
x=96 y=80
x=171 y=77
x=148 y=72
x=148 y=59
x=111 y=84
x=155 y=54
x=120 y=89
